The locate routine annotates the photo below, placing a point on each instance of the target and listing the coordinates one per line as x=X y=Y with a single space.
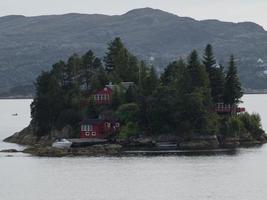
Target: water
x=221 y=177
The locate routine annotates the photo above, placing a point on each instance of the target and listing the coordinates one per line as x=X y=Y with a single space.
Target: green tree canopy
x=233 y=90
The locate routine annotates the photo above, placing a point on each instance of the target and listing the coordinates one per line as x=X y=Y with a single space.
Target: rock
x=247 y=143
x=24 y=137
x=95 y=150
x=46 y=151
x=9 y=151
x=210 y=142
x=230 y=142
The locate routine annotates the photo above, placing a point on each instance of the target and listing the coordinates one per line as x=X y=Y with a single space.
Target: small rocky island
x=121 y=101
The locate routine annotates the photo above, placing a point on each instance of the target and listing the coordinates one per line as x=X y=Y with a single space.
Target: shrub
x=130 y=130
x=252 y=124
x=234 y=127
x=128 y=112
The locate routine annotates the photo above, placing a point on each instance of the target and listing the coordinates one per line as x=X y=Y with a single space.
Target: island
x=120 y=103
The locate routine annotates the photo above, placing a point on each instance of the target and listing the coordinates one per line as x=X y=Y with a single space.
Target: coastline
x=41 y=147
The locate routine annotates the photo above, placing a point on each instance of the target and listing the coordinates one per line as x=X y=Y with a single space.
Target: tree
x=47 y=104
x=92 y=72
x=131 y=94
x=128 y=112
x=173 y=73
x=151 y=82
x=233 y=90
x=215 y=73
x=197 y=72
x=164 y=111
x=120 y=64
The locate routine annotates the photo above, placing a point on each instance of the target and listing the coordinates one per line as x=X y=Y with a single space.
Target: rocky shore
x=42 y=146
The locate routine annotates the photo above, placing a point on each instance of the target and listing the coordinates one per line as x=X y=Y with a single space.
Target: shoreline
x=134 y=148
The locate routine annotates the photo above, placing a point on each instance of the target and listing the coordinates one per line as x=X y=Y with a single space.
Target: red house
x=98 y=128
x=222 y=108
x=103 y=96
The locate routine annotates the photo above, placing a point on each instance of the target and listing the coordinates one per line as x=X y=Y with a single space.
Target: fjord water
x=240 y=175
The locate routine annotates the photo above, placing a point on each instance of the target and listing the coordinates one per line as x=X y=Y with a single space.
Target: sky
x=226 y=10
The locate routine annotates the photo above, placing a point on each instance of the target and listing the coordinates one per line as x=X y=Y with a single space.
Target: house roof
x=123 y=85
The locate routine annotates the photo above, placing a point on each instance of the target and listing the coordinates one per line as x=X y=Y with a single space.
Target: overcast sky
x=226 y=10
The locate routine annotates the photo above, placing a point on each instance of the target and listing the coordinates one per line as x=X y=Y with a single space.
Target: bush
x=234 y=127
x=252 y=124
x=128 y=131
x=128 y=112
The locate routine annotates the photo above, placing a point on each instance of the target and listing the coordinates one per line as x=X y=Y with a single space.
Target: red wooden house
x=222 y=108
x=98 y=128
x=103 y=96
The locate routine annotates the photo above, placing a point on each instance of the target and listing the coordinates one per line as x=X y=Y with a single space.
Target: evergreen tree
x=197 y=72
x=47 y=104
x=151 y=82
x=209 y=59
x=120 y=64
x=91 y=67
x=174 y=73
x=215 y=73
x=233 y=90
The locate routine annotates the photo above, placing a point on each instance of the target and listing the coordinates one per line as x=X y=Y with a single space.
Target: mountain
x=29 y=45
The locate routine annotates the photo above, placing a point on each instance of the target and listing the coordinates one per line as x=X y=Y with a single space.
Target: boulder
x=231 y=142
x=9 y=151
x=210 y=142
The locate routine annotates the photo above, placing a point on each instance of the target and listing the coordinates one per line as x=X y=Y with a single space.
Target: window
x=107 y=124
x=93 y=133
x=83 y=128
x=117 y=125
x=89 y=128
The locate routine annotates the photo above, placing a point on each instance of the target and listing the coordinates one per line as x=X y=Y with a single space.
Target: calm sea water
x=241 y=175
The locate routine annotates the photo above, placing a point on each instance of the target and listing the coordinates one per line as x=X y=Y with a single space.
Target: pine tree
x=90 y=66
x=197 y=72
x=151 y=82
x=209 y=60
x=215 y=73
x=119 y=63
x=233 y=90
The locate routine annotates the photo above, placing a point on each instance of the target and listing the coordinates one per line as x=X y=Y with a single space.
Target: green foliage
x=252 y=124
x=234 y=127
x=180 y=102
x=117 y=99
x=130 y=130
x=244 y=124
x=164 y=111
x=150 y=82
x=197 y=72
x=215 y=73
x=128 y=112
x=131 y=94
x=174 y=73
x=120 y=64
x=70 y=117
x=195 y=110
x=233 y=90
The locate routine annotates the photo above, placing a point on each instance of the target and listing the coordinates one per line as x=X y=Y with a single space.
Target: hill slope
x=29 y=45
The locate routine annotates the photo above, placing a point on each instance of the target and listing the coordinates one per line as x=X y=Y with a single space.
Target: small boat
x=15 y=114
x=62 y=144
